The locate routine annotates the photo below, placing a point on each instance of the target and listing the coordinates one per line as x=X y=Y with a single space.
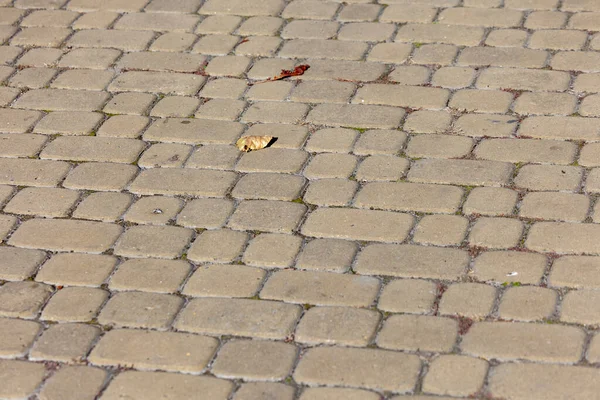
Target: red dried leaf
x=285 y=73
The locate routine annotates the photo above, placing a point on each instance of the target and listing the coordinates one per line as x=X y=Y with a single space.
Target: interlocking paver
x=74 y=304
x=21 y=377
x=64 y=342
x=74 y=382
x=17 y=336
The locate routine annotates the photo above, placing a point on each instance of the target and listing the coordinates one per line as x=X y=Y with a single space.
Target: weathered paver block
x=191 y=182
x=157 y=82
x=402 y=96
x=62 y=100
x=418 y=333
x=356 y=115
x=461 y=172
x=564 y=238
x=91 y=148
x=154 y=241
x=576 y=272
x=27 y=172
x=20 y=378
x=17 y=336
x=193 y=131
x=339 y=223
x=268 y=216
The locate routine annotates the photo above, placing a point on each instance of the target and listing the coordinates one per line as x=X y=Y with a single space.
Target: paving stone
x=410 y=75
x=218 y=24
x=221 y=109
x=382 y=168
x=261 y=390
x=496 y=233
x=74 y=269
x=379 y=142
x=237 y=7
x=129 y=103
x=337 y=325
x=140 y=310
x=288 y=136
x=471 y=300
x=157 y=22
x=310 y=9
x=441 y=230
x=575 y=271
x=575 y=61
x=586 y=83
x=453 y=77
x=75 y=304
x=330 y=192
x=21 y=144
x=428 y=122
x=418 y=333
x=23 y=299
x=272 y=250
x=549 y=177
x=83 y=79
x=205 y=213
x=523 y=79
x=545 y=20
x=397 y=53
x=526 y=150
x=438 y=146
x=593 y=350
x=268 y=186
x=17 y=336
x=218 y=45
x=514 y=380
x=106 y=207
x=490 y=201
x=558 y=206
x=69 y=123
x=330 y=166
x=91 y=58
x=175 y=106
x=402 y=96
x=31 y=78
x=527 y=303
x=481 y=17
x=440 y=33
x=558 y=40
x=267 y=216
x=271 y=91
x=22 y=377
x=310 y=29
x=499 y=266
x=461 y=172
x=227 y=66
x=218 y=246
x=366 y=31
x=255 y=360
x=507 y=38
x=332 y=140
x=441 y=54
x=157 y=82
x=260 y=25
x=521 y=340
x=356 y=115
x=64 y=342
x=413 y=296
x=140 y=385
x=74 y=382
x=323 y=92
x=112 y=5
x=489 y=125
x=173 y=42
x=100 y=176
x=150 y=275
x=368 y=368
x=90 y=148
x=176 y=181
x=275 y=112
x=325 y=393
x=7 y=95
x=580 y=307
x=62 y=100
x=7 y=223
x=224 y=281
x=410 y=261
x=239 y=317
x=193 y=131
x=9 y=53
x=154 y=241
x=32 y=172
x=327 y=255
x=153 y=210
x=125 y=126
x=18 y=121
x=40 y=37
x=408 y=13
x=168 y=351
x=95 y=20
x=65 y=235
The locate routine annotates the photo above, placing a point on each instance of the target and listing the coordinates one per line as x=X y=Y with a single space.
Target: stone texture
x=455 y=375
x=17 y=336
x=418 y=333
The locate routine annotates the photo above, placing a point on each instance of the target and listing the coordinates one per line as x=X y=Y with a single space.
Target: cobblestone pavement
x=426 y=224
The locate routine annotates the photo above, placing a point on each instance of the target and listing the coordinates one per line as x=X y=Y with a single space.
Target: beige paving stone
x=17 y=336
x=221 y=109
x=6 y=192
x=268 y=186
x=9 y=53
x=575 y=271
x=23 y=299
x=100 y=176
x=45 y=202
x=593 y=354
x=175 y=106
x=521 y=340
x=337 y=325
x=496 y=233
x=408 y=13
x=260 y=26
x=267 y=216
x=90 y=58
x=548 y=103
x=239 y=317
x=514 y=380
x=575 y=61
x=545 y=20
x=527 y=303
x=214 y=157
x=441 y=54
x=272 y=250
x=150 y=275
x=532 y=4
x=310 y=29
x=580 y=307
x=329 y=49
x=32 y=78
x=481 y=17
x=83 y=79
x=461 y=172
x=490 y=201
x=12 y=15
x=379 y=142
x=558 y=40
x=157 y=82
x=218 y=246
x=106 y=207
x=154 y=210
x=441 y=230
x=157 y=22
x=358 y=224
x=330 y=166
x=330 y=393
x=590 y=106
x=7 y=95
x=507 y=38
x=549 y=177
x=527 y=150
x=272 y=91
x=62 y=100
x=587 y=83
x=28 y=172
x=173 y=42
x=129 y=103
x=218 y=24
x=330 y=192
x=427 y=122
x=440 y=33
x=523 y=79
x=125 y=126
x=40 y=37
x=323 y=92
x=489 y=125
x=64 y=342
x=367 y=31
x=327 y=255
x=356 y=115
x=6 y=32
x=359 y=12
x=218 y=45
x=557 y=206
x=593 y=181
x=453 y=77
x=438 y=146
x=255 y=360
x=410 y=75
x=309 y=9
x=154 y=241
x=261 y=390
x=332 y=140
x=418 y=333
x=20 y=144
x=237 y=7
x=224 y=281
x=65 y=235
x=455 y=375
x=368 y=368
x=471 y=300
x=140 y=310
x=175 y=181
x=396 y=53
x=69 y=123
x=74 y=304
x=410 y=261
x=233 y=66
x=22 y=378
x=74 y=382
x=320 y=288
x=161 y=61
x=409 y=197
x=382 y=168
x=168 y=351
x=193 y=131
x=76 y=269
x=413 y=296
x=275 y=112
x=112 y=5
x=205 y=213
x=95 y=20
x=18 y=121
x=7 y=223
x=402 y=96
x=499 y=266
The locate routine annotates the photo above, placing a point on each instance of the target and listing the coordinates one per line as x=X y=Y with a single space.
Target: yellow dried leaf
x=248 y=143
